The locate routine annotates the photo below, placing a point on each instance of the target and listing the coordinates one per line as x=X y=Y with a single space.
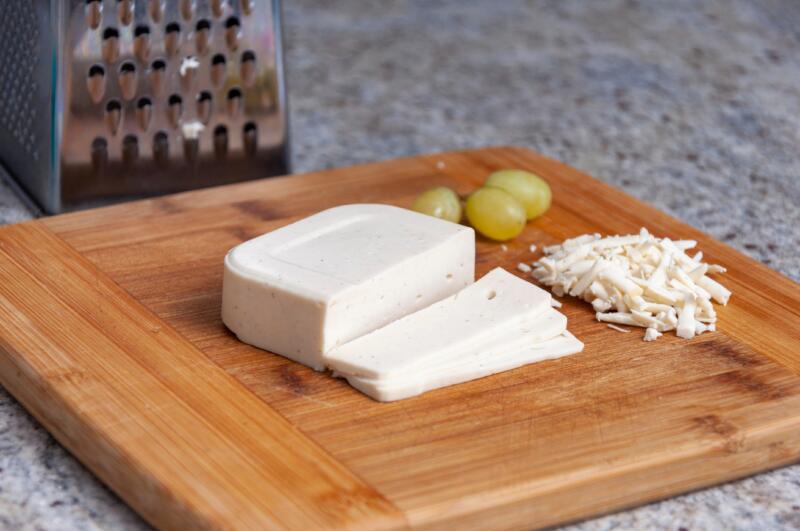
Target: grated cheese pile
x=636 y=280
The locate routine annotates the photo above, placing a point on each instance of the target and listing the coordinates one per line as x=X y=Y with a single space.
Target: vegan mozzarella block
x=499 y=304
x=311 y=286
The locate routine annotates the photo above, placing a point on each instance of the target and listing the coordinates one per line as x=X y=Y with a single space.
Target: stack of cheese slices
x=499 y=323
x=385 y=298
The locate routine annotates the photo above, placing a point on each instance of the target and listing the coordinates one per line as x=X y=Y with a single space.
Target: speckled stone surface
x=693 y=106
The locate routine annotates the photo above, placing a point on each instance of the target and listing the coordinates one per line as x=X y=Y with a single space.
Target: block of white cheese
x=498 y=358
x=499 y=323
x=311 y=286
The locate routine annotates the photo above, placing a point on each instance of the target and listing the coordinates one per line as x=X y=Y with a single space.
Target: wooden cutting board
x=110 y=335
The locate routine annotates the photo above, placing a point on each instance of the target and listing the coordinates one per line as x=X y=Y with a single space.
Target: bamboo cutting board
x=110 y=335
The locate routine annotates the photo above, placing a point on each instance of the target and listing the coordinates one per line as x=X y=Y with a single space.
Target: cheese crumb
x=440 y=164
x=504 y=247
x=636 y=280
x=192 y=130
x=188 y=63
x=525 y=268
x=618 y=328
x=555 y=303
x=651 y=334
x=533 y=247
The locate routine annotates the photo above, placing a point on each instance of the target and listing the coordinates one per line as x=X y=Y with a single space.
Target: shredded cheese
x=636 y=280
x=525 y=268
x=188 y=63
x=191 y=130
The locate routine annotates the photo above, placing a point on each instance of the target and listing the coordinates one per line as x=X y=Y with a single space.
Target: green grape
x=495 y=213
x=440 y=202
x=529 y=189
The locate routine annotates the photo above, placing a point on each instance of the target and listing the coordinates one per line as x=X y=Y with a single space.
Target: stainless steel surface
x=26 y=86
x=100 y=100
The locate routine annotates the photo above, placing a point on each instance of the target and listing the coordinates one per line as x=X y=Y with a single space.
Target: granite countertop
x=691 y=106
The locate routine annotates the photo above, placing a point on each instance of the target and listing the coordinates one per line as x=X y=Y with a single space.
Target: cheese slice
x=497 y=307
x=501 y=357
x=507 y=338
x=311 y=286
x=543 y=327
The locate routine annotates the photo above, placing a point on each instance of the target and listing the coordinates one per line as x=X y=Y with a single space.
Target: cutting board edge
x=733 y=456
x=528 y=153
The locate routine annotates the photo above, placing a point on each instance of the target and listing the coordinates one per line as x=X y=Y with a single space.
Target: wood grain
x=180 y=440
x=622 y=423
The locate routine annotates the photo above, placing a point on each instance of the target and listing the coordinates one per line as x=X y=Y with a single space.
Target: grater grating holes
x=217 y=7
x=232 y=32
x=250 y=138
x=110 y=45
x=158 y=70
x=141 y=42
x=99 y=154
x=125 y=11
x=96 y=82
x=161 y=148
x=130 y=150
x=127 y=80
x=87 y=107
x=187 y=9
x=113 y=116
x=204 y=106
x=191 y=149
x=218 y=70
x=144 y=112
x=156 y=10
x=172 y=38
x=220 y=141
x=97 y=70
x=247 y=68
x=19 y=40
x=174 y=110
x=234 y=105
x=201 y=36
x=94 y=13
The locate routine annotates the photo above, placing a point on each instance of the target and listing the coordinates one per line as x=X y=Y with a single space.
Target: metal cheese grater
x=109 y=100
